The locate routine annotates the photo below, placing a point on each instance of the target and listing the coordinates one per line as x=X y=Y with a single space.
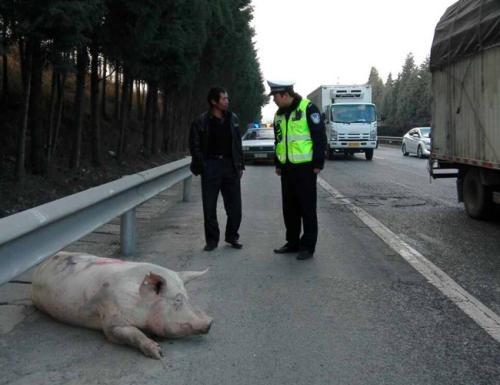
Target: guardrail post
x=128 y=233
x=187 y=188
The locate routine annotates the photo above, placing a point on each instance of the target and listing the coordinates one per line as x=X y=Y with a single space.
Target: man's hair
x=289 y=91
x=214 y=95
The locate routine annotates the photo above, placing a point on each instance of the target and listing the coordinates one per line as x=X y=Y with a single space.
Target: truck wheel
x=403 y=148
x=477 y=197
x=369 y=154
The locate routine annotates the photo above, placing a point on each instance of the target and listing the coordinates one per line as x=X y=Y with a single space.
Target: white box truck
x=465 y=134
x=350 y=118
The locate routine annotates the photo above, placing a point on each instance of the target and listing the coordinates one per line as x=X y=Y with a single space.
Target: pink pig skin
x=123 y=299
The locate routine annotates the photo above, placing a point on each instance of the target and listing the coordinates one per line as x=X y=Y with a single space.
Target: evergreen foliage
x=403 y=102
x=171 y=50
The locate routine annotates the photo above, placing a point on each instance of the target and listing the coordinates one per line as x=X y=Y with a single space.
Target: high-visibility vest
x=293 y=136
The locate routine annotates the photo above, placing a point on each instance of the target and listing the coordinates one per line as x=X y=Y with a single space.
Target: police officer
x=300 y=156
x=215 y=145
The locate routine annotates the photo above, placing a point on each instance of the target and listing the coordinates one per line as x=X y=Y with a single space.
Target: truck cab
x=350 y=118
x=351 y=128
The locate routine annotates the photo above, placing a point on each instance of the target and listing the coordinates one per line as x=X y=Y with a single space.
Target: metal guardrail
x=390 y=139
x=30 y=236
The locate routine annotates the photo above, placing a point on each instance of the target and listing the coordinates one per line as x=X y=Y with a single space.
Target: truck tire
x=369 y=154
x=477 y=197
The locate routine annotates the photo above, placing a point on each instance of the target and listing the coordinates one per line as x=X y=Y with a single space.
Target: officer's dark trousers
x=219 y=175
x=298 y=189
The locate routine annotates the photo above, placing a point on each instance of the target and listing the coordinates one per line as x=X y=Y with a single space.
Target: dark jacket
x=198 y=142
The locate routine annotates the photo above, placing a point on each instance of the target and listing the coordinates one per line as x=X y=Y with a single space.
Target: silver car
x=417 y=141
x=258 y=144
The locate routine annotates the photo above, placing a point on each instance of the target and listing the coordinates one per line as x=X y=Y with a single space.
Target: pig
x=126 y=300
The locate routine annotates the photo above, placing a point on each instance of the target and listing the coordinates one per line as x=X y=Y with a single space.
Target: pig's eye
x=178 y=300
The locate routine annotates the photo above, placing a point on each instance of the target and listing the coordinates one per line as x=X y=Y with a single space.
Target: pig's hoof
x=152 y=349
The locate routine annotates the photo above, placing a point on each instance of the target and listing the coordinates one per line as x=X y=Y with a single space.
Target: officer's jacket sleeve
x=318 y=135
x=277 y=163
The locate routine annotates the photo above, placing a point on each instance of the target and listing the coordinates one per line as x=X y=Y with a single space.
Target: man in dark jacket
x=217 y=155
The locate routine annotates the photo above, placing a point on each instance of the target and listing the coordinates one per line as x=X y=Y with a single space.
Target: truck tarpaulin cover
x=466 y=28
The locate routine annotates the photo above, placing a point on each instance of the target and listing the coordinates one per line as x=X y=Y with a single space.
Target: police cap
x=280 y=86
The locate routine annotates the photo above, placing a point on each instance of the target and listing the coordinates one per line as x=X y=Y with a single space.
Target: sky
x=317 y=42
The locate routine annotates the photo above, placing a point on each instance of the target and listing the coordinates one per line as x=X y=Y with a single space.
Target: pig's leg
x=132 y=336
x=118 y=330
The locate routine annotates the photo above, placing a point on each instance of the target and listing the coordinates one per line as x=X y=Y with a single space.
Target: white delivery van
x=350 y=118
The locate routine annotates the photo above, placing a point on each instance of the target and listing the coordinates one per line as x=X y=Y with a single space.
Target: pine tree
x=377 y=87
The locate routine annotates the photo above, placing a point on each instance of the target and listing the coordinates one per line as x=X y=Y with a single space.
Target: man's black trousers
x=298 y=190
x=219 y=175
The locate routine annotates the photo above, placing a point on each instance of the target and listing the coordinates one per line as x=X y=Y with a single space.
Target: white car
x=258 y=144
x=417 y=141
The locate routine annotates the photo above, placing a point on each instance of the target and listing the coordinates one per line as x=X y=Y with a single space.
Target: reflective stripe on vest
x=293 y=137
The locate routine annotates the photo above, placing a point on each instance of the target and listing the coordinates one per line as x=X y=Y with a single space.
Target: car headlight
x=373 y=134
x=335 y=134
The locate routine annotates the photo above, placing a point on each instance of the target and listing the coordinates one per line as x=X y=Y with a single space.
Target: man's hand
x=316 y=170
x=278 y=171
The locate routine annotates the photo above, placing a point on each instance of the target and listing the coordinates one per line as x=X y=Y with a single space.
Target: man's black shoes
x=235 y=244
x=286 y=249
x=209 y=247
x=304 y=254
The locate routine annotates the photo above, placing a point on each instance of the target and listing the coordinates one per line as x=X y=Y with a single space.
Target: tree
x=406 y=96
x=175 y=49
x=423 y=95
x=4 y=48
x=388 y=105
x=377 y=86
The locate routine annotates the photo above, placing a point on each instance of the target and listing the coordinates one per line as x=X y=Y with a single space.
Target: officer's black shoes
x=304 y=254
x=235 y=244
x=210 y=246
x=286 y=249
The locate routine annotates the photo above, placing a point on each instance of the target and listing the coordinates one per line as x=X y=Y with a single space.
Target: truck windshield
x=353 y=113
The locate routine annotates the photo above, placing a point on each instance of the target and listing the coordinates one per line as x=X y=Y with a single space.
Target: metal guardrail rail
x=390 y=139
x=28 y=237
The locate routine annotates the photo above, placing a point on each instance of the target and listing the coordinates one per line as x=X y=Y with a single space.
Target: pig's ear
x=153 y=283
x=187 y=276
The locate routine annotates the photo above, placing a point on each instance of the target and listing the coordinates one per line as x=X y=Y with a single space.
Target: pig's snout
x=206 y=329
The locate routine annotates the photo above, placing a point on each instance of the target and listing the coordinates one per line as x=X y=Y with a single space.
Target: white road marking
x=481 y=314
x=378 y=157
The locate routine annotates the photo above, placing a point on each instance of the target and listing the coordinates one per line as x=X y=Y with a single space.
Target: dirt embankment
x=36 y=190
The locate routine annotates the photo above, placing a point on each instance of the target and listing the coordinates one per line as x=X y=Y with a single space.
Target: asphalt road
x=426 y=213
x=355 y=314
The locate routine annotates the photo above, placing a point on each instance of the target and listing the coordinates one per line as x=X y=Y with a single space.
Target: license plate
x=353 y=144
x=260 y=155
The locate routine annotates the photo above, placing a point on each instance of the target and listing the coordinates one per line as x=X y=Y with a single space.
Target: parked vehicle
x=350 y=118
x=417 y=141
x=465 y=143
x=258 y=144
